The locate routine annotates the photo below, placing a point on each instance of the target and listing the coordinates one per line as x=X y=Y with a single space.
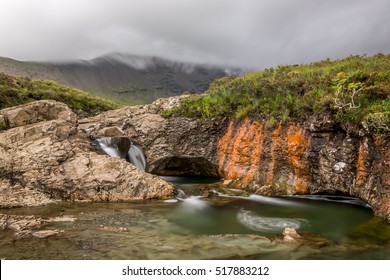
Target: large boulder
x=44 y=158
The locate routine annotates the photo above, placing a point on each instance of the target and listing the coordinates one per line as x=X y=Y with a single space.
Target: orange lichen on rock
x=223 y=146
x=256 y=132
x=239 y=151
x=275 y=144
x=380 y=145
x=297 y=146
x=361 y=172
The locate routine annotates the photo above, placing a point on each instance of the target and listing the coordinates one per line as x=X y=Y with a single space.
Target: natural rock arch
x=197 y=166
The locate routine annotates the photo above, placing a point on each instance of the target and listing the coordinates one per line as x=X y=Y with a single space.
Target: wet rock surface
x=30 y=226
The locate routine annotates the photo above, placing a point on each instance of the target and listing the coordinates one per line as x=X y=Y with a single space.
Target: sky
x=242 y=33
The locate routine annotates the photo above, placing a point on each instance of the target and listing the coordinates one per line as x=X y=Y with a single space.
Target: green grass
x=15 y=91
x=295 y=92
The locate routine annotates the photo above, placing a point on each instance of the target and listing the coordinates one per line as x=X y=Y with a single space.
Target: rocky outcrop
x=58 y=157
x=318 y=156
x=44 y=158
x=173 y=146
x=307 y=158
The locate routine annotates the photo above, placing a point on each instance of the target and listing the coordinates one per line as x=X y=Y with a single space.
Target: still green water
x=191 y=227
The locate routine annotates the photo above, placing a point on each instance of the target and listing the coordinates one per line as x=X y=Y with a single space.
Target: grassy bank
x=15 y=91
x=354 y=90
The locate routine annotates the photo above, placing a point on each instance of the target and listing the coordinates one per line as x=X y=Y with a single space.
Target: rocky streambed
x=226 y=225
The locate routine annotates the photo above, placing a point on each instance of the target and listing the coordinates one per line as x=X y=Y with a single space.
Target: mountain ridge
x=122 y=78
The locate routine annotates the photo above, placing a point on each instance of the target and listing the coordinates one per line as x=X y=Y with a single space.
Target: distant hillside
x=15 y=91
x=124 y=79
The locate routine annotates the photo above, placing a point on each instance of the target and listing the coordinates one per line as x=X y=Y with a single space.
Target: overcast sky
x=244 y=33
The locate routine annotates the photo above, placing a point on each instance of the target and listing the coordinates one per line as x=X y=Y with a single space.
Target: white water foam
x=193 y=203
x=267 y=224
x=272 y=200
x=106 y=145
x=171 y=200
x=135 y=153
x=137 y=157
x=265 y=199
x=181 y=194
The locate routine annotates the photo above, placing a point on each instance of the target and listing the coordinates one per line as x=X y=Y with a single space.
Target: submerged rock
x=290 y=235
x=45 y=233
x=112 y=229
x=20 y=223
x=291 y=232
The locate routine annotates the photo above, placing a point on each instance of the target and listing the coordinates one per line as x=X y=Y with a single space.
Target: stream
x=226 y=224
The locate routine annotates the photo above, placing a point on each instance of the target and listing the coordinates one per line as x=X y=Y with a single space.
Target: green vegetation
x=16 y=91
x=354 y=90
x=376 y=231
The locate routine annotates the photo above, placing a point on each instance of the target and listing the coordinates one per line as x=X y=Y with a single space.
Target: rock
x=35 y=112
x=291 y=232
x=23 y=234
x=314 y=157
x=112 y=229
x=61 y=219
x=24 y=225
x=21 y=224
x=173 y=146
x=321 y=123
x=290 y=235
x=339 y=167
x=289 y=239
x=45 y=158
x=45 y=233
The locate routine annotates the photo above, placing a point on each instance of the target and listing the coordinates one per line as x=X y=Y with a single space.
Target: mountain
x=121 y=78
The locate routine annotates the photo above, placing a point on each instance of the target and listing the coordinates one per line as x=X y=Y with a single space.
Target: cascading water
x=123 y=149
x=137 y=157
x=107 y=146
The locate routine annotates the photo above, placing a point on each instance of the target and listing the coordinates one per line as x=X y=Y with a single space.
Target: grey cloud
x=246 y=33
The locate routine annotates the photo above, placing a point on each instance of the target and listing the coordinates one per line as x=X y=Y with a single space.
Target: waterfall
x=137 y=157
x=108 y=147
x=122 y=148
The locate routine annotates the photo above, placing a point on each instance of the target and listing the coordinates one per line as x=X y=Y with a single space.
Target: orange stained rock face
x=387 y=207
x=361 y=172
x=256 y=131
x=239 y=150
x=276 y=143
x=223 y=146
x=297 y=146
x=379 y=144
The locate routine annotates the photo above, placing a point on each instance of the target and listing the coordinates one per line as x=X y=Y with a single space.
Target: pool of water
x=230 y=225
